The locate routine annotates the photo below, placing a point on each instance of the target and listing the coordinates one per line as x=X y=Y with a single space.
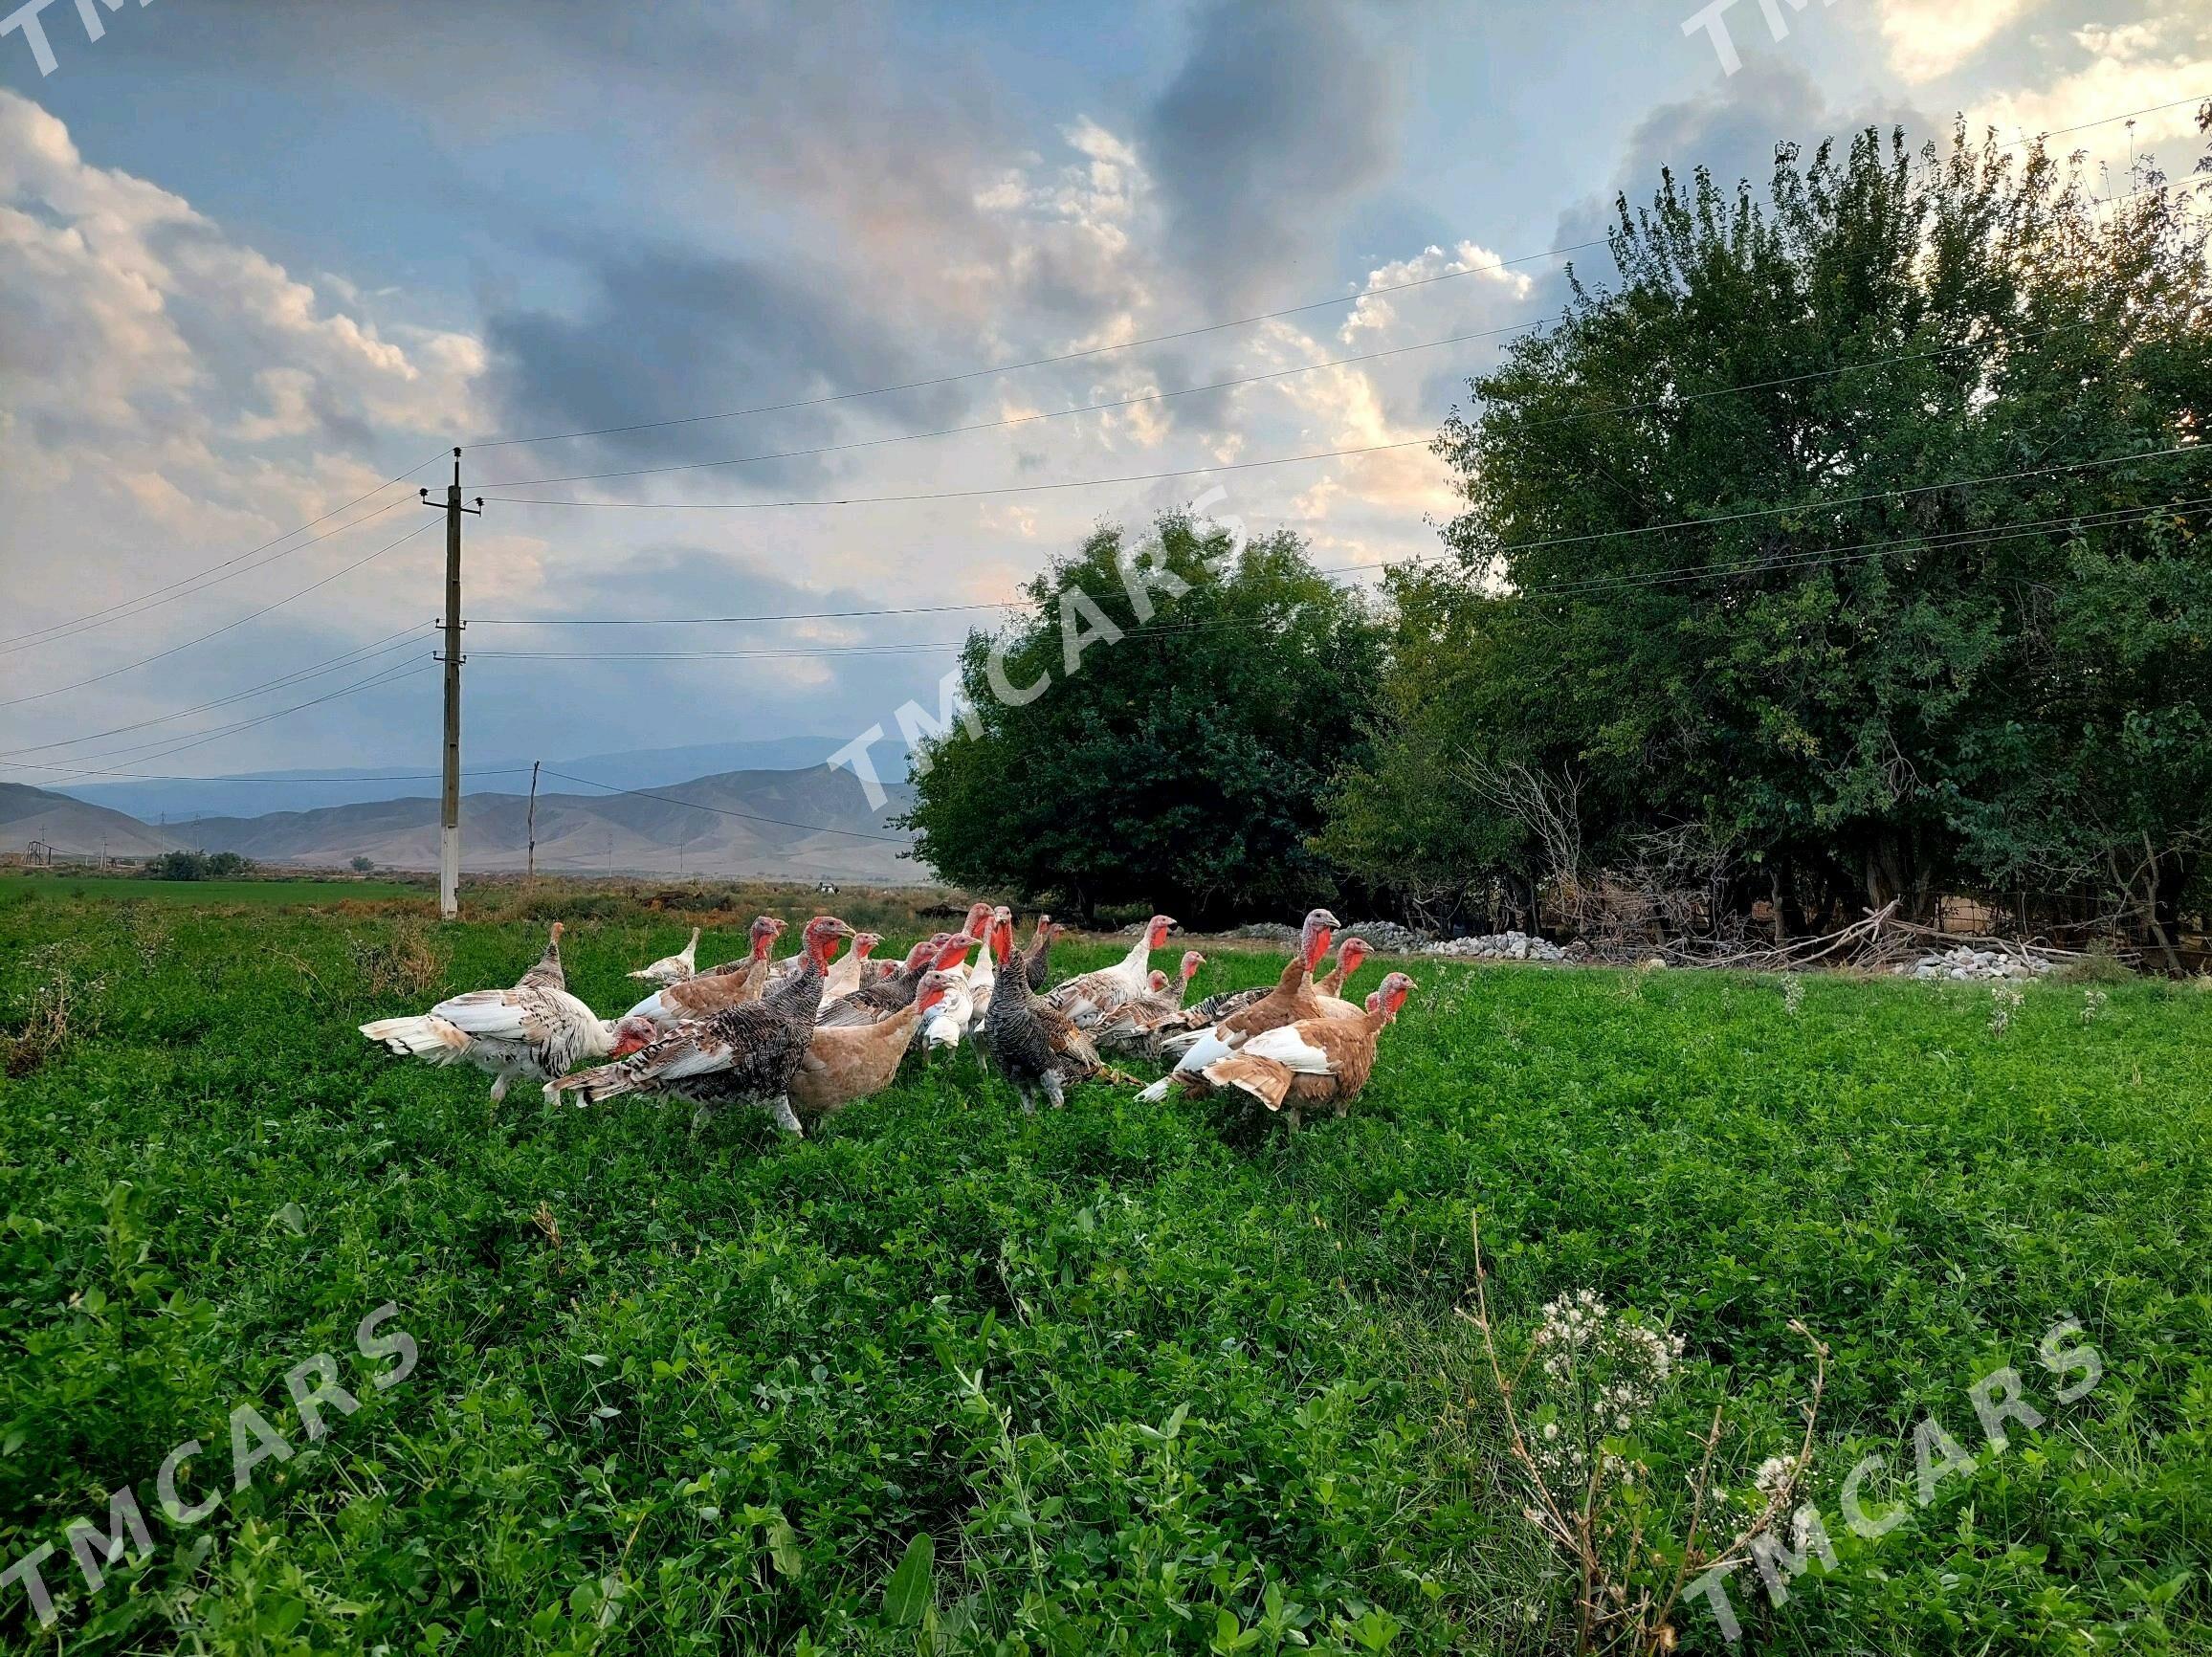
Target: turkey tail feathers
x=590 y=1087
x=1266 y=1080
x=426 y=1037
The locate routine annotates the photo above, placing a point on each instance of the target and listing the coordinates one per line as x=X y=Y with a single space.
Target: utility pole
x=450 y=797
x=531 y=829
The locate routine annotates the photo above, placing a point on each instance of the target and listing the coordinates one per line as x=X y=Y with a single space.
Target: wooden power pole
x=531 y=829
x=449 y=796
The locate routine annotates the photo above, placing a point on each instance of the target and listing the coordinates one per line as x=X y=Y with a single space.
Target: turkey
x=1036 y=960
x=746 y=1054
x=535 y=1030
x=952 y=1013
x=1317 y=1061
x=732 y=983
x=983 y=972
x=889 y=995
x=1291 y=1000
x=956 y=1010
x=1130 y=1029
x=1090 y=996
x=851 y=1062
x=673 y=968
x=1328 y=989
x=1028 y=1041
x=845 y=977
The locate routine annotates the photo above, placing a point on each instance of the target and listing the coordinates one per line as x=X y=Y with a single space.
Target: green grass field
x=1148 y=1381
x=201 y=893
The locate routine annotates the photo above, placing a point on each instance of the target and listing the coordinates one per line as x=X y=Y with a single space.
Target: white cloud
x=1929 y=38
x=2159 y=61
x=1373 y=311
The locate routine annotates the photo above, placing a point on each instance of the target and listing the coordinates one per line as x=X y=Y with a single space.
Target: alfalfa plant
x=404 y=965
x=1589 y=1382
x=2006 y=1000
x=58 y=1011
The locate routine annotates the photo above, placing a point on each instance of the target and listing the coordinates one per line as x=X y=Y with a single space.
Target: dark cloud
x=673 y=332
x=1731 y=131
x=1283 y=109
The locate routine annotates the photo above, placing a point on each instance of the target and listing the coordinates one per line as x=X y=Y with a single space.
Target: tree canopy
x=1856 y=535
x=1158 y=733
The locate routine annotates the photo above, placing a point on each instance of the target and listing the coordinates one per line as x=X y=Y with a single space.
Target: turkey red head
x=954 y=951
x=1313 y=937
x=979 y=918
x=1157 y=982
x=630 y=1034
x=1391 y=996
x=1156 y=930
x=935 y=987
x=1192 y=961
x=821 y=938
x=923 y=955
x=1001 y=936
x=1351 y=954
x=766 y=929
x=864 y=944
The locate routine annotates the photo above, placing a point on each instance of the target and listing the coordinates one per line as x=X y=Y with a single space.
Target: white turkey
x=536 y=1030
x=673 y=968
x=1092 y=996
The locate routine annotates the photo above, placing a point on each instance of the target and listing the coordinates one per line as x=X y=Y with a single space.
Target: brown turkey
x=1291 y=1000
x=1027 y=1040
x=1315 y=1062
x=742 y=1055
x=894 y=994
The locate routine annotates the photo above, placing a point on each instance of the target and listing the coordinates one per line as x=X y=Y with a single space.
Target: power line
x=251 y=615
x=1162 y=339
x=1031 y=419
x=150 y=777
x=1281 y=374
x=350 y=658
x=101 y=616
x=1044 y=362
x=2108 y=120
x=1827 y=502
x=971 y=494
x=722 y=811
x=382 y=676
x=600 y=621
x=1935 y=541
x=884 y=650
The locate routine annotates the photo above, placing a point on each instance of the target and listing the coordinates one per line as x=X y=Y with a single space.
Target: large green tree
x=1157 y=732
x=1845 y=530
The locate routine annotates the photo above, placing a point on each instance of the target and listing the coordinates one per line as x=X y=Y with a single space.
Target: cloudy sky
x=256 y=260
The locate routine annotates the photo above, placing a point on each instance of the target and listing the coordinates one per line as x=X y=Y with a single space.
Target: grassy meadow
x=1146 y=1380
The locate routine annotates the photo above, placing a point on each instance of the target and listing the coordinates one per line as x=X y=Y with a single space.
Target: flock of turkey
x=812 y=1031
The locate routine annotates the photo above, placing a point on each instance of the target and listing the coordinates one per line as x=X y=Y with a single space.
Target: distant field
x=1150 y=1383
x=209 y=892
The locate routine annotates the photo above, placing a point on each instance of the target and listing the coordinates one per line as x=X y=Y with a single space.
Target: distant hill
x=766 y=825
x=183 y=799
x=73 y=827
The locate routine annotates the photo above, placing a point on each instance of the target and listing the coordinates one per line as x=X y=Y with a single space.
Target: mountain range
x=167 y=800
x=774 y=825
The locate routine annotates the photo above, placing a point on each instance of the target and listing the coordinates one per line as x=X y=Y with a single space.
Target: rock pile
x=1499 y=946
x=1964 y=962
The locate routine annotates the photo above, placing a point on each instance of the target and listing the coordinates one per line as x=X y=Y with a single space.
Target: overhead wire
x=350 y=658
x=101 y=616
x=1372 y=289
x=725 y=812
x=227 y=626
